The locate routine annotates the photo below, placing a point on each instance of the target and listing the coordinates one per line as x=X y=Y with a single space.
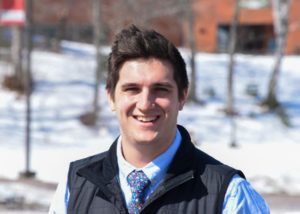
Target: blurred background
x=243 y=60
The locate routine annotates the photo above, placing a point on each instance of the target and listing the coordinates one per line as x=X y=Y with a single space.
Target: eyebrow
x=126 y=85
x=164 y=84
x=159 y=84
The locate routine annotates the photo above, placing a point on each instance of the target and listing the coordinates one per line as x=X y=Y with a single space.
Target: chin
x=146 y=138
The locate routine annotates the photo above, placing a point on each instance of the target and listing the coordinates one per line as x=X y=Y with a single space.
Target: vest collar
x=183 y=160
x=102 y=172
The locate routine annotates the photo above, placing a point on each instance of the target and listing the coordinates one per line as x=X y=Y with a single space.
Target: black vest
x=195 y=183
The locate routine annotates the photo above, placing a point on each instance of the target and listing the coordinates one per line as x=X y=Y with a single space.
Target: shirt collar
x=156 y=169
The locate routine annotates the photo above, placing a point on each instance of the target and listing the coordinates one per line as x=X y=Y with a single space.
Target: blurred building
x=72 y=20
x=255 y=31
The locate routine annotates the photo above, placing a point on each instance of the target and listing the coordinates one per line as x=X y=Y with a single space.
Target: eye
x=165 y=89
x=131 y=89
x=162 y=91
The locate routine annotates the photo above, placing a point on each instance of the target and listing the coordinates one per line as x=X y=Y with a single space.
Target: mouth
x=146 y=119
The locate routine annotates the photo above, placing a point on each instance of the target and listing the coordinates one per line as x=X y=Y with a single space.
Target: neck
x=140 y=155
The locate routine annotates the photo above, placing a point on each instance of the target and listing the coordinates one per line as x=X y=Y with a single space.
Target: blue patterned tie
x=138 y=182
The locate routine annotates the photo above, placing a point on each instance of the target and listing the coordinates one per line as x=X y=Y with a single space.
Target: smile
x=145 y=119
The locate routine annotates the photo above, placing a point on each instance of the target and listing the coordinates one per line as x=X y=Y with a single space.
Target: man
x=152 y=167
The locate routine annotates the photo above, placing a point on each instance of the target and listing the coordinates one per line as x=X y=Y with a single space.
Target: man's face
x=146 y=103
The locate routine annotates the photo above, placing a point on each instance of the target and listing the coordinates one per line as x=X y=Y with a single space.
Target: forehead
x=146 y=69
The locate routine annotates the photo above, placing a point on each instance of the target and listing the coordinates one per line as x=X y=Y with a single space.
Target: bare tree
x=191 y=40
x=28 y=87
x=280 y=19
x=231 y=50
x=16 y=50
x=230 y=92
x=63 y=15
x=90 y=118
x=97 y=35
x=15 y=81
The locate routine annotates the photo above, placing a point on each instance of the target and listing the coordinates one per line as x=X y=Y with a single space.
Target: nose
x=145 y=100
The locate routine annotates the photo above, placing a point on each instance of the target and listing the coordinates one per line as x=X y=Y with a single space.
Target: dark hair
x=134 y=43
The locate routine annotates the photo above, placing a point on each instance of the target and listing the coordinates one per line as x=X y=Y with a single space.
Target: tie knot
x=137 y=181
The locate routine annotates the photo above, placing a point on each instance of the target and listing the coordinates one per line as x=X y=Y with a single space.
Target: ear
x=183 y=100
x=111 y=100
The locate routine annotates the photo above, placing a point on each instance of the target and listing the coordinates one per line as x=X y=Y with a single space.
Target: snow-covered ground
x=267 y=152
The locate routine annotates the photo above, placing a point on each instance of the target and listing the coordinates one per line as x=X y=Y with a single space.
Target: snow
x=267 y=150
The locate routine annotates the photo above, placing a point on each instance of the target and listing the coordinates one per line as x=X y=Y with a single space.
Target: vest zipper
x=173 y=183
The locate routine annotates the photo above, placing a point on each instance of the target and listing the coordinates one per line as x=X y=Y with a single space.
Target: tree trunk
x=90 y=118
x=97 y=34
x=16 y=51
x=191 y=41
x=28 y=87
x=231 y=50
x=60 y=32
x=16 y=80
x=280 y=19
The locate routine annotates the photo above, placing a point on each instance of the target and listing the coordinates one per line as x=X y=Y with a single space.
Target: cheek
x=166 y=103
x=170 y=101
x=125 y=105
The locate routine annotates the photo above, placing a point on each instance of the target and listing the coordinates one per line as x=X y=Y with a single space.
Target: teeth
x=145 y=119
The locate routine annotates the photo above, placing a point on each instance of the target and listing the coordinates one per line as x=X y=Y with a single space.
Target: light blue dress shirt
x=155 y=170
x=240 y=197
